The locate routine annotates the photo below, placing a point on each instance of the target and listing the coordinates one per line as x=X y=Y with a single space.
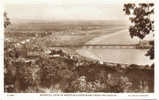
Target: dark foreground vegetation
x=33 y=69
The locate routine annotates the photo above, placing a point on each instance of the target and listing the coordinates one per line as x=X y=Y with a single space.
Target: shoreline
x=103 y=37
x=89 y=54
x=92 y=54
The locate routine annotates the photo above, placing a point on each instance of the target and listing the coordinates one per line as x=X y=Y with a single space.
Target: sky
x=65 y=9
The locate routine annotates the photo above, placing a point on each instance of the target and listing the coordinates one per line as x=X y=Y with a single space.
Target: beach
x=125 y=56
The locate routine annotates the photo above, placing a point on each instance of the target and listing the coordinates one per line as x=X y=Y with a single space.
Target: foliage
x=141 y=16
x=46 y=73
x=53 y=71
x=24 y=77
x=6 y=20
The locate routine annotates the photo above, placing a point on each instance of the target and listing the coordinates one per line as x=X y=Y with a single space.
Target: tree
x=6 y=20
x=8 y=71
x=141 y=17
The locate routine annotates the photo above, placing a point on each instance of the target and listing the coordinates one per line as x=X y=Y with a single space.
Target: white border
x=156 y=48
x=1 y=50
x=62 y=96
x=36 y=96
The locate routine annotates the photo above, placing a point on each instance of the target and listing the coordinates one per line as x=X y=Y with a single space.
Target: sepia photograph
x=77 y=46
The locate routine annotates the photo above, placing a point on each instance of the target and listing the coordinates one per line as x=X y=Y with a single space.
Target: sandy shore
x=120 y=56
x=97 y=40
x=120 y=37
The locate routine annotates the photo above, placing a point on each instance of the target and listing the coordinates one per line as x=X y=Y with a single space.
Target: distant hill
x=45 y=25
